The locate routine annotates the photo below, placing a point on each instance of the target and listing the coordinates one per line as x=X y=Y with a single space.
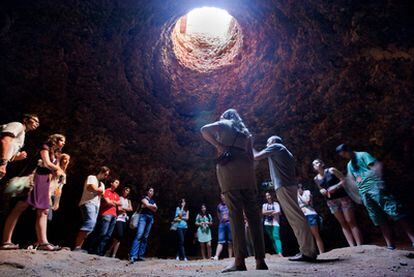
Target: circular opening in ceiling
x=206 y=39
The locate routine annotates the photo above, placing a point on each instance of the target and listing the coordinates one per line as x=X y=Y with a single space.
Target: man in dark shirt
x=282 y=173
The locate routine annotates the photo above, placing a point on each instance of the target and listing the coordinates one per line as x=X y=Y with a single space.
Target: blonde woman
x=39 y=197
x=56 y=184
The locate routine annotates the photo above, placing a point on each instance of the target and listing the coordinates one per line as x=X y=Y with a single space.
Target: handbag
x=226 y=156
x=174 y=226
x=133 y=223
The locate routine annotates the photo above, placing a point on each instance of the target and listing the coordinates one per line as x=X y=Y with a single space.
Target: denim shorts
x=224 y=233
x=313 y=219
x=340 y=204
x=89 y=213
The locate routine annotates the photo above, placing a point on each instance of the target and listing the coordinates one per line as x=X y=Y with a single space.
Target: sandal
x=48 y=247
x=9 y=246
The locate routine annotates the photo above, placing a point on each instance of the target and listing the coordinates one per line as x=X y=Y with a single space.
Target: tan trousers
x=247 y=200
x=288 y=199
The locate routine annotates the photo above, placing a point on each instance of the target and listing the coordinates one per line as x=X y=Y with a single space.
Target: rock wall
x=104 y=73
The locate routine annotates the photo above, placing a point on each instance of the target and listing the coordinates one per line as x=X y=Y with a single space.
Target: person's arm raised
x=208 y=131
x=263 y=154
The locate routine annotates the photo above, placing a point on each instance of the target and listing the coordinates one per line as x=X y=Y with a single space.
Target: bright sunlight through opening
x=208 y=21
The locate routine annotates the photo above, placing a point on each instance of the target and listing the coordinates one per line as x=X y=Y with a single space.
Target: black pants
x=181 y=241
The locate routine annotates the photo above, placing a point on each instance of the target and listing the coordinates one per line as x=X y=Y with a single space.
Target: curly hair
x=232 y=115
x=53 y=140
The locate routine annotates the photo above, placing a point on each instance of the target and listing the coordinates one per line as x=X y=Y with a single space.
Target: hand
x=323 y=192
x=55 y=207
x=59 y=172
x=220 y=149
x=332 y=189
x=20 y=156
x=2 y=171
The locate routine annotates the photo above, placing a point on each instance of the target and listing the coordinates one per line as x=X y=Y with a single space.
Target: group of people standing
x=41 y=190
x=236 y=175
x=241 y=218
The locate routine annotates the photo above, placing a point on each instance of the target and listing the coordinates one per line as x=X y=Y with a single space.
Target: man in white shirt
x=90 y=203
x=12 y=137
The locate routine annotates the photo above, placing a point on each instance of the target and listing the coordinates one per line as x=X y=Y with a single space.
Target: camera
x=267 y=185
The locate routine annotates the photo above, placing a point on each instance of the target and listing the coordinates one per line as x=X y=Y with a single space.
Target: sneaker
x=177 y=258
x=391 y=247
x=215 y=258
x=185 y=259
x=302 y=258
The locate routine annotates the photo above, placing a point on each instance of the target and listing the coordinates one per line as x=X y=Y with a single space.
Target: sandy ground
x=367 y=260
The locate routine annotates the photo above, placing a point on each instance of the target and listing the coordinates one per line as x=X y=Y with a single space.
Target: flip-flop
x=9 y=246
x=46 y=247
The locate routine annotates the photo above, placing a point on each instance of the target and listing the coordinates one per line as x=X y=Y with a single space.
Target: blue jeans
x=107 y=225
x=139 y=244
x=181 y=242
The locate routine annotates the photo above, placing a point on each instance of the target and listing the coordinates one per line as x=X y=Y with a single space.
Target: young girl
x=271 y=213
x=204 y=221
x=305 y=203
x=330 y=182
x=181 y=217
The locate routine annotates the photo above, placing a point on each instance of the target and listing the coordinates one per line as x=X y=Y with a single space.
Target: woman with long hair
x=121 y=221
x=204 y=222
x=38 y=197
x=271 y=213
x=330 y=182
x=236 y=177
x=181 y=217
x=57 y=182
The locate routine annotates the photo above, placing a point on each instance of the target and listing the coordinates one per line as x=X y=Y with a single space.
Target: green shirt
x=364 y=175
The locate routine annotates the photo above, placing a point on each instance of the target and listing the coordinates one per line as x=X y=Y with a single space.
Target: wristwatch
x=3 y=162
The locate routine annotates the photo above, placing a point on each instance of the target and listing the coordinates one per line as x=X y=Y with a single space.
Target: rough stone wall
x=317 y=73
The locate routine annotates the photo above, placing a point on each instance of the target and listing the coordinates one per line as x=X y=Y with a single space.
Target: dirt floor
x=367 y=260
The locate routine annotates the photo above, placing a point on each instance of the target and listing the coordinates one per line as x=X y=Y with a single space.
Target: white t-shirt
x=307 y=209
x=124 y=205
x=18 y=131
x=271 y=220
x=91 y=196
